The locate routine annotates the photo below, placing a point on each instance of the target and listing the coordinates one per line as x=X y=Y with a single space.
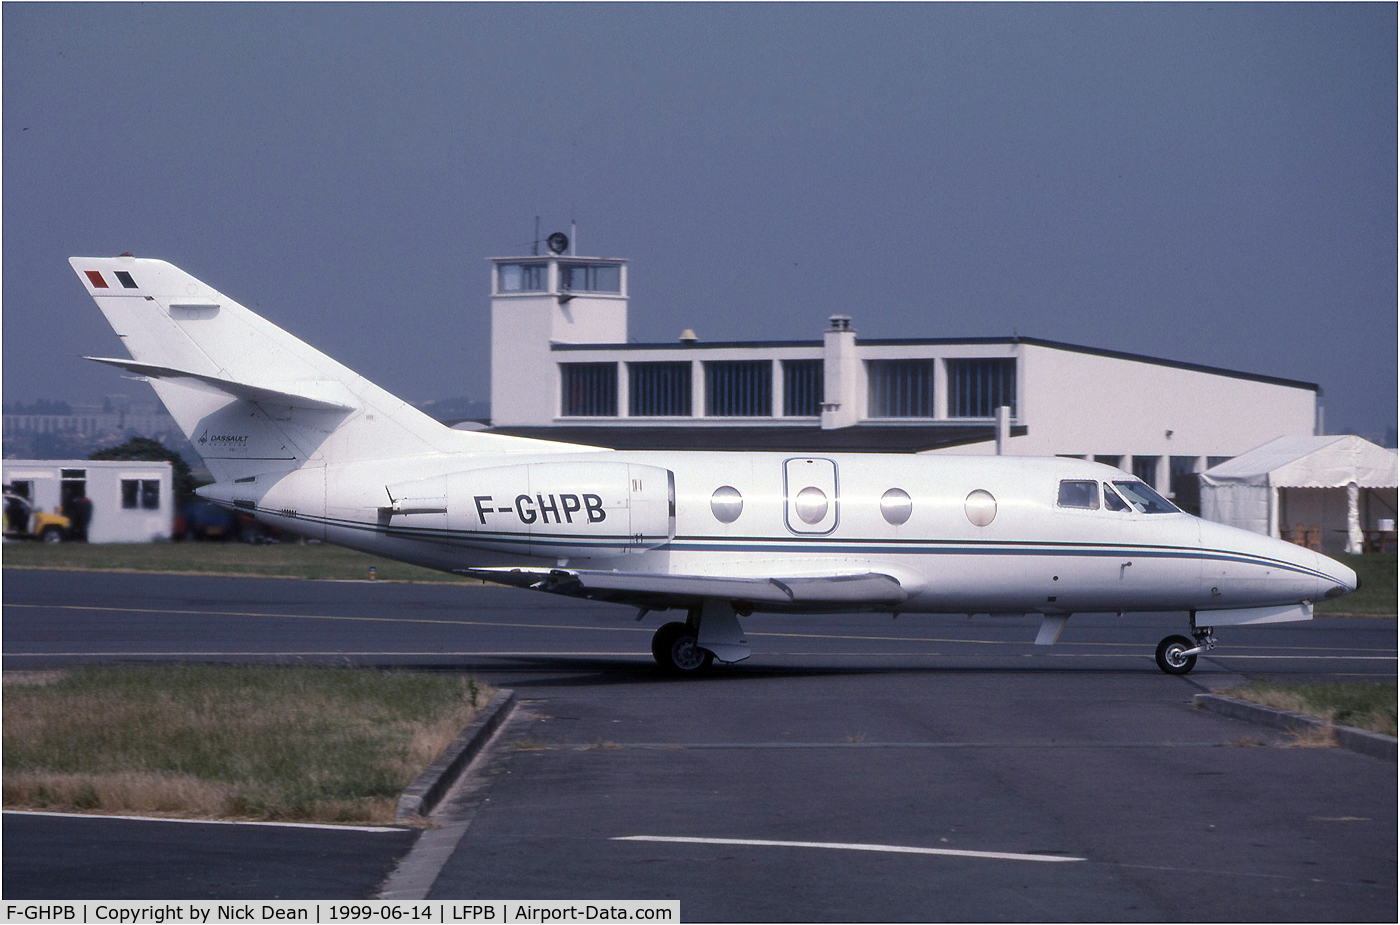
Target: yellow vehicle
x=22 y=521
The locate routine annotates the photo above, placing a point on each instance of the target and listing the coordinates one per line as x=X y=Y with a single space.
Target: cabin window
x=896 y=506
x=1144 y=500
x=1079 y=493
x=981 y=507
x=1111 y=499
x=727 y=504
x=811 y=505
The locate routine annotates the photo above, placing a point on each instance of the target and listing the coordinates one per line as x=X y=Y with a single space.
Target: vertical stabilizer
x=251 y=397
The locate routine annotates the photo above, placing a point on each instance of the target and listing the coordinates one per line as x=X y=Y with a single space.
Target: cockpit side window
x=1111 y=499
x=1079 y=493
x=1144 y=500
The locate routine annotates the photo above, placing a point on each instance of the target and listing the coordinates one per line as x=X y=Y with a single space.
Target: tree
x=146 y=448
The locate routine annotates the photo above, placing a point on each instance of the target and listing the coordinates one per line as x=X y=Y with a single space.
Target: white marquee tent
x=1343 y=485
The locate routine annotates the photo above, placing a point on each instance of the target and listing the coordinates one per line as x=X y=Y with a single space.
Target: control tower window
x=522 y=277
x=590 y=277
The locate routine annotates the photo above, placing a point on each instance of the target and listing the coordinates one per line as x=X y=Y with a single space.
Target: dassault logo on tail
x=222 y=439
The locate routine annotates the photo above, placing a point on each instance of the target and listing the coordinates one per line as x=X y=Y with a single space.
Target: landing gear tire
x=1170 y=657
x=676 y=653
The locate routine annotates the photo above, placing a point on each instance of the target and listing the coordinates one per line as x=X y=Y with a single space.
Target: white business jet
x=302 y=443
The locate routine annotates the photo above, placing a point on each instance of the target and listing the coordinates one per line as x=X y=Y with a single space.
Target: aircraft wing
x=856 y=590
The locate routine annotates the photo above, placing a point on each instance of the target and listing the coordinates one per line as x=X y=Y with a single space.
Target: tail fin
x=252 y=398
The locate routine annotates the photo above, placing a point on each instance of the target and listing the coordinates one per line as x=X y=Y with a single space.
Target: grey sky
x=1208 y=183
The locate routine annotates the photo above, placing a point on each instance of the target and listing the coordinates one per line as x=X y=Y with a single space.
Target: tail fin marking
x=250 y=396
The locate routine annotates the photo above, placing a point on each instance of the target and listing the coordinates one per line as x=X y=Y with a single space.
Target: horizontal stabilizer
x=242 y=390
x=825 y=591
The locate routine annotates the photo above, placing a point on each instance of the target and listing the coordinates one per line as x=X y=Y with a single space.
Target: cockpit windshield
x=1143 y=499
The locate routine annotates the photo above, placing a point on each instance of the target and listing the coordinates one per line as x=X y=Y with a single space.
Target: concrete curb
x=424 y=794
x=1358 y=740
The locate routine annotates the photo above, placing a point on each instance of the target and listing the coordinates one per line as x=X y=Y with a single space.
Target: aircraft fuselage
x=960 y=534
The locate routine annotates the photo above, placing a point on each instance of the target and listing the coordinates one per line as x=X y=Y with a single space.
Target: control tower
x=536 y=301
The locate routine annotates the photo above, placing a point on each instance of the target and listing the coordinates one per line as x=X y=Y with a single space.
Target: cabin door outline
x=811 y=495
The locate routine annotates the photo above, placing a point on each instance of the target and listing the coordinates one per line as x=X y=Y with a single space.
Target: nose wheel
x=1177 y=654
x=1172 y=657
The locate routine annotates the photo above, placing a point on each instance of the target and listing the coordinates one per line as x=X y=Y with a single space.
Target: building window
x=977 y=388
x=143 y=493
x=1145 y=468
x=590 y=277
x=522 y=277
x=588 y=389
x=658 y=389
x=1185 y=485
x=803 y=385
x=900 y=388
x=739 y=389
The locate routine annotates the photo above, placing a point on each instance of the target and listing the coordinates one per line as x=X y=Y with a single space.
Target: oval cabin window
x=981 y=508
x=727 y=504
x=896 y=506
x=811 y=505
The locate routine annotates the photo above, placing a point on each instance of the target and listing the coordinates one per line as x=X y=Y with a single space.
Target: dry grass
x=1313 y=737
x=1365 y=706
x=335 y=745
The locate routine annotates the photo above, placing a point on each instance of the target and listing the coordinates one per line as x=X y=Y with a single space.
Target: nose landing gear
x=1177 y=654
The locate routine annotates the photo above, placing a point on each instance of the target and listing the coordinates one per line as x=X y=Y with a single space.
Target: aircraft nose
x=1339 y=579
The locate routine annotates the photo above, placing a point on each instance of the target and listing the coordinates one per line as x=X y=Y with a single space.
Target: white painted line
x=325 y=616
x=840 y=846
x=393 y=653
x=284 y=825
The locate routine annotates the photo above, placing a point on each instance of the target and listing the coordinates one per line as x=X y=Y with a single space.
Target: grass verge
x=283 y=743
x=271 y=560
x=1369 y=706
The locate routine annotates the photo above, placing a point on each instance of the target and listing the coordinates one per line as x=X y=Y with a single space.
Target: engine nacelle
x=555 y=510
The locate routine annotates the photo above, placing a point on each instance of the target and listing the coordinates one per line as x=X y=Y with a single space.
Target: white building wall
x=111 y=522
x=1083 y=403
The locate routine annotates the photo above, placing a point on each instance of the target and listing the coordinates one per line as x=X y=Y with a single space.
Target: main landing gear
x=711 y=631
x=1177 y=654
x=675 y=650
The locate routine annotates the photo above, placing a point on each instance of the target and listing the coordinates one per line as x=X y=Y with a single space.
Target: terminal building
x=563 y=368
